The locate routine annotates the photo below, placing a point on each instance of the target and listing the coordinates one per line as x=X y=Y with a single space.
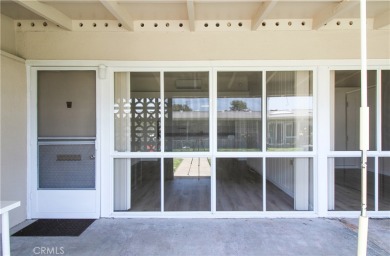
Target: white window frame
x=321 y=137
x=376 y=154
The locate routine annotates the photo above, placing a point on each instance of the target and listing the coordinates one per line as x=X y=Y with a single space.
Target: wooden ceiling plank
x=119 y=13
x=328 y=14
x=47 y=12
x=382 y=20
x=191 y=14
x=262 y=13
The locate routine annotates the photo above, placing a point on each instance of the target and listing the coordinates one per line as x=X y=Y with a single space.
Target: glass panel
x=137 y=184
x=239 y=111
x=385 y=109
x=347 y=107
x=289 y=184
x=186 y=111
x=187 y=184
x=289 y=111
x=347 y=184
x=137 y=111
x=384 y=184
x=239 y=184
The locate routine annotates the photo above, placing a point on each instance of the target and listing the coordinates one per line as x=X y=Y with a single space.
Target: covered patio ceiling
x=193 y=15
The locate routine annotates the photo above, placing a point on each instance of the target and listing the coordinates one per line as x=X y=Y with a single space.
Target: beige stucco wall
x=8 y=35
x=160 y=46
x=14 y=135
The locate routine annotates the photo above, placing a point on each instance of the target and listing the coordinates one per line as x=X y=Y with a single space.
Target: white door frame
x=89 y=204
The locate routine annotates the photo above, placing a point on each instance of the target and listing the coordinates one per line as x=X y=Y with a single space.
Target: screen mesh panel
x=67 y=166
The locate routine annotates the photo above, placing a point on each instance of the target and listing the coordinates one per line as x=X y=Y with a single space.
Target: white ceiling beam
x=262 y=13
x=47 y=12
x=191 y=14
x=217 y=1
x=382 y=20
x=328 y=14
x=119 y=13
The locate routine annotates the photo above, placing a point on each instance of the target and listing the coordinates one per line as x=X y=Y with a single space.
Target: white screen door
x=64 y=183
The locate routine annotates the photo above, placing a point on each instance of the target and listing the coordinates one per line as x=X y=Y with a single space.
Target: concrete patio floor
x=210 y=237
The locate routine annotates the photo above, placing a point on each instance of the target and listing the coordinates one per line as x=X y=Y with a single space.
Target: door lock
x=92 y=157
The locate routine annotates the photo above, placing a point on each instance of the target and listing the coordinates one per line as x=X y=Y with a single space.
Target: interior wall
x=280 y=171
x=384 y=166
x=14 y=136
x=256 y=164
x=351 y=125
x=171 y=46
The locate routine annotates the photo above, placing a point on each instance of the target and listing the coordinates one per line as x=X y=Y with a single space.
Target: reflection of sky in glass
x=253 y=104
x=196 y=104
x=290 y=103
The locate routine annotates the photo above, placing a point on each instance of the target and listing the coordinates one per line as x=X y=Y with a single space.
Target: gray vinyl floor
x=237 y=189
x=212 y=237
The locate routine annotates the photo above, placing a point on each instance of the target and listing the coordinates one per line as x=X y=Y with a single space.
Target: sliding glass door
x=183 y=143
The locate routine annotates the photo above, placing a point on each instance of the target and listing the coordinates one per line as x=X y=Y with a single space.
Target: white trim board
x=12 y=56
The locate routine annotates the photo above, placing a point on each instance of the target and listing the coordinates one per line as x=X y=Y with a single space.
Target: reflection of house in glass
x=241 y=130
x=188 y=131
x=289 y=130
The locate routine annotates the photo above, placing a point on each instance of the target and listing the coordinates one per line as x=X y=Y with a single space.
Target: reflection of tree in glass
x=238 y=105
x=181 y=107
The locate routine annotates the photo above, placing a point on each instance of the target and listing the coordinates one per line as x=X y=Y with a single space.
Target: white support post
x=5 y=234
x=364 y=133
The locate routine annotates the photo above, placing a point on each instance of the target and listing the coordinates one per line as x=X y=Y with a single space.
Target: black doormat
x=55 y=227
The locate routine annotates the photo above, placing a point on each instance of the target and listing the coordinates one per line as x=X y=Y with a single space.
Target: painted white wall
x=153 y=46
x=280 y=171
x=14 y=135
